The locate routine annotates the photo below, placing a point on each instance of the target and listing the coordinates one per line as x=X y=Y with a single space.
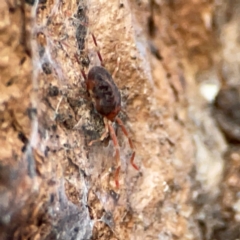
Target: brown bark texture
x=171 y=59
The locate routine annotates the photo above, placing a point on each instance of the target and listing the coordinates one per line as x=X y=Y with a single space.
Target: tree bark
x=169 y=55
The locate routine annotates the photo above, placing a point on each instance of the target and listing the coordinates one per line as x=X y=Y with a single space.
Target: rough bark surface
x=172 y=55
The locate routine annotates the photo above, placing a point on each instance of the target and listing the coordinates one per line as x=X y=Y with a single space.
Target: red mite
x=107 y=101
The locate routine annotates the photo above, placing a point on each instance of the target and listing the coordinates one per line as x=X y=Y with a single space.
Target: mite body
x=107 y=102
x=104 y=92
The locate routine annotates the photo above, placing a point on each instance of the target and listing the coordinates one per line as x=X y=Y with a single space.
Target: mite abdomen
x=104 y=92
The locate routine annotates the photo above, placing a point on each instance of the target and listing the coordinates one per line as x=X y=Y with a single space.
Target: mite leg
x=82 y=69
x=98 y=52
x=84 y=75
x=117 y=68
x=104 y=135
x=120 y=123
x=116 y=145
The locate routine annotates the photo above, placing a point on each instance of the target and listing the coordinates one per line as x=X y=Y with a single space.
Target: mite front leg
x=120 y=123
x=98 y=52
x=116 y=145
x=116 y=69
x=104 y=135
x=82 y=69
